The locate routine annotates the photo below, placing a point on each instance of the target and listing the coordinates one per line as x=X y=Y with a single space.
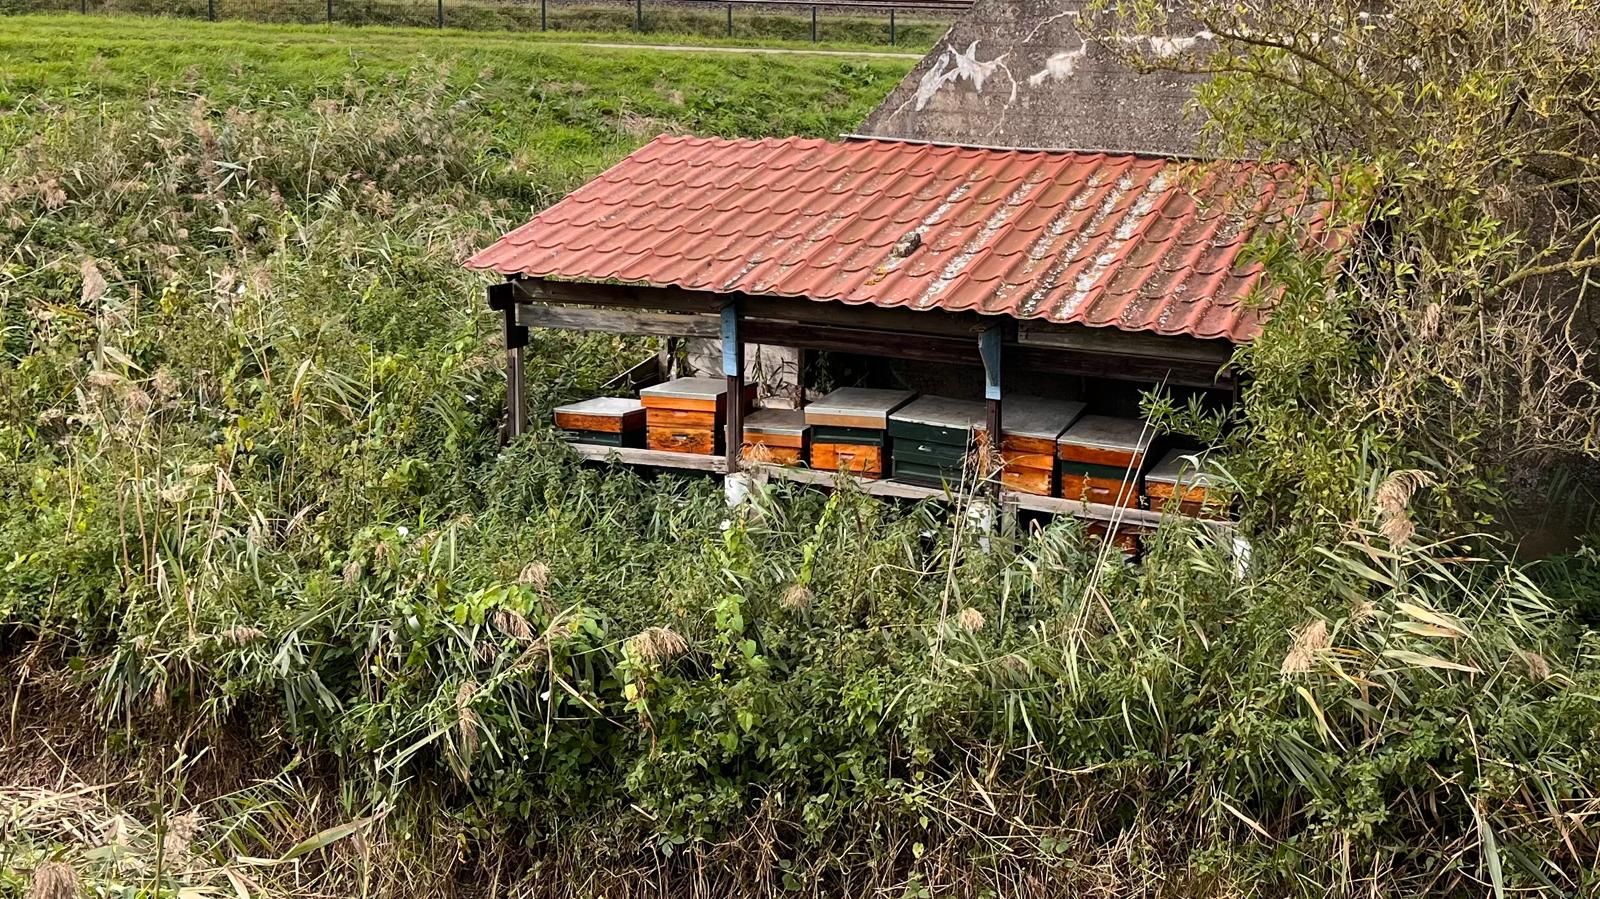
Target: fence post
x=441 y=13
x=543 y=20
x=211 y=10
x=891 y=26
x=730 y=20
x=638 y=15
x=813 y=24
x=83 y=7
x=330 y=12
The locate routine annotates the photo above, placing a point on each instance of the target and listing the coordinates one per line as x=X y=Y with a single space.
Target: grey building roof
x=1019 y=73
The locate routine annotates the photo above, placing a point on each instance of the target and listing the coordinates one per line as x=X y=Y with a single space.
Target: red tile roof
x=1129 y=242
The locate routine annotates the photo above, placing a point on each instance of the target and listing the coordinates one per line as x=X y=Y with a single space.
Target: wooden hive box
x=687 y=415
x=931 y=437
x=849 y=429
x=776 y=435
x=1029 y=429
x=1101 y=459
x=1182 y=478
x=1128 y=540
x=606 y=420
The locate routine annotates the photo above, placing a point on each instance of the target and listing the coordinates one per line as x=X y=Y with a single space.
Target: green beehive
x=931 y=439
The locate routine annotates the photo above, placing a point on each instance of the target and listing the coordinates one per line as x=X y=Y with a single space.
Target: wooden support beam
x=670 y=299
x=1083 y=338
x=502 y=299
x=989 y=347
x=922 y=335
x=654 y=458
x=893 y=344
x=1119 y=368
x=786 y=309
x=617 y=321
x=733 y=370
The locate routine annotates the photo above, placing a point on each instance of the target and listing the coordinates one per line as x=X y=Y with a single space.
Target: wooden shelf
x=656 y=458
x=884 y=487
x=888 y=487
x=1139 y=518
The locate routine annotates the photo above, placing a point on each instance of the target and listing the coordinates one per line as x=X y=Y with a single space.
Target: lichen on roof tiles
x=1105 y=240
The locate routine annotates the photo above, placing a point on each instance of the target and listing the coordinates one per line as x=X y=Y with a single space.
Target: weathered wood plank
x=1121 y=343
x=892 y=489
x=616 y=321
x=652 y=458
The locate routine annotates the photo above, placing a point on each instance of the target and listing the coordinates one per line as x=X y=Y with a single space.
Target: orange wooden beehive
x=849 y=429
x=1102 y=458
x=776 y=435
x=687 y=415
x=607 y=420
x=1029 y=429
x=1181 y=480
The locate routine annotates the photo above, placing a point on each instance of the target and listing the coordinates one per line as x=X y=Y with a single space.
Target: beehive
x=931 y=437
x=1101 y=459
x=1182 y=476
x=606 y=420
x=1128 y=540
x=849 y=429
x=776 y=435
x=1029 y=428
x=687 y=415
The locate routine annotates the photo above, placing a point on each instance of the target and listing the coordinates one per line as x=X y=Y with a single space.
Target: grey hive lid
x=857 y=402
x=1105 y=432
x=942 y=412
x=689 y=389
x=1179 y=466
x=776 y=421
x=616 y=406
x=1036 y=416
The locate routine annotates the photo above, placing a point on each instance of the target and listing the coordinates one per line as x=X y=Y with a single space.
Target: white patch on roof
x=1060 y=66
x=966 y=67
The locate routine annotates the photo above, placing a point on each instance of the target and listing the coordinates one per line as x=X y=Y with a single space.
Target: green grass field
x=836 y=29
x=556 y=113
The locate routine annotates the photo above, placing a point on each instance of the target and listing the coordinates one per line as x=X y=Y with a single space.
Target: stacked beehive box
x=606 y=420
x=849 y=429
x=1182 y=477
x=776 y=435
x=1102 y=458
x=930 y=438
x=687 y=415
x=1030 y=427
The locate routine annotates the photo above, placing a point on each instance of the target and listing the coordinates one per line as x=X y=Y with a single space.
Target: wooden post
x=503 y=299
x=211 y=10
x=733 y=369
x=544 y=21
x=813 y=24
x=989 y=347
x=330 y=12
x=730 y=20
x=638 y=15
x=441 y=13
x=891 y=26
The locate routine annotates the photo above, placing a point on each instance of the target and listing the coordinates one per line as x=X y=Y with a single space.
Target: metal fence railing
x=860 y=21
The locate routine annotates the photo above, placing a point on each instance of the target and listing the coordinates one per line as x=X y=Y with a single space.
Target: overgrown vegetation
x=274 y=595
x=1460 y=339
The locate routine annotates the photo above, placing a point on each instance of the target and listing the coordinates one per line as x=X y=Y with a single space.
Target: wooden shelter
x=1061 y=271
